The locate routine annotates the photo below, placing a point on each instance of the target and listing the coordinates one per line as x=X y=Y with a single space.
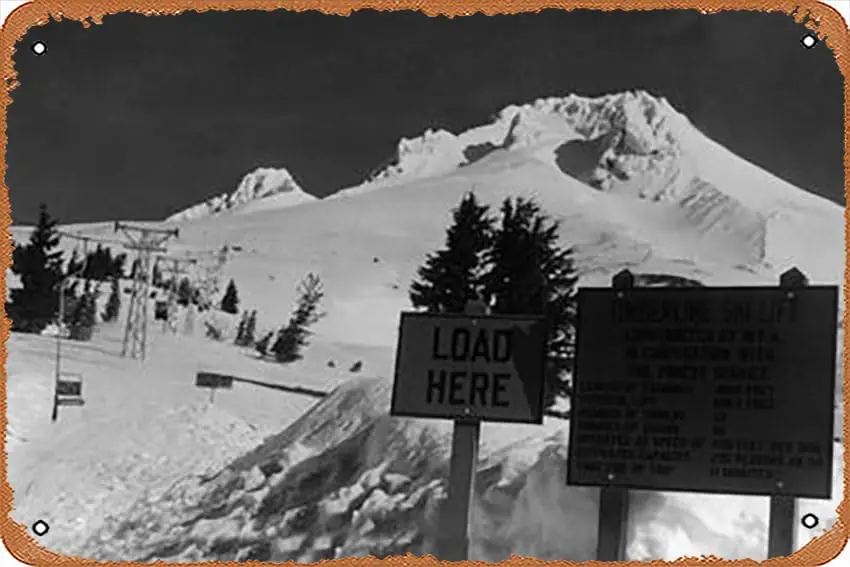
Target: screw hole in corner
x=39 y=48
x=810 y=521
x=40 y=528
x=809 y=40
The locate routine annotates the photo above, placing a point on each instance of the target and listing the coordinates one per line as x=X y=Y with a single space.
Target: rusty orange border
x=818 y=17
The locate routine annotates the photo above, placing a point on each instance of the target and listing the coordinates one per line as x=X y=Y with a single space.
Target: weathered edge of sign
x=540 y=410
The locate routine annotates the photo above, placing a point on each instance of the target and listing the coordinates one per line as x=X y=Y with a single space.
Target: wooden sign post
x=457 y=508
x=614 y=500
x=724 y=390
x=783 y=506
x=469 y=368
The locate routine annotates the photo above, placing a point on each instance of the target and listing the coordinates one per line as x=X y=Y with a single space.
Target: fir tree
x=39 y=266
x=250 y=328
x=113 y=304
x=118 y=265
x=230 y=301
x=74 y=264
x=70 y=299
x=84 y=315
x=531 y=274
x=262 y=347
x=185 y=293
x=292 y=339
x=452 y=276
x=240 y=332
x=156 y=276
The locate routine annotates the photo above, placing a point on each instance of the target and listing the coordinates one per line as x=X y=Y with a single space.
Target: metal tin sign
x=725 y=390
x=484 y=367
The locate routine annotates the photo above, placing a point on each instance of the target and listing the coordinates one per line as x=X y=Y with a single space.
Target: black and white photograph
x=295 y=286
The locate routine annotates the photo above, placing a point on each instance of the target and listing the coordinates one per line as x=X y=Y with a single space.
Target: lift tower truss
x=144 y=241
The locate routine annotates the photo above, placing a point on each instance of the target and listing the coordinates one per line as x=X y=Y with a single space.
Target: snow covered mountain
x=633 y=182
x=635 y=185
x=261 y=189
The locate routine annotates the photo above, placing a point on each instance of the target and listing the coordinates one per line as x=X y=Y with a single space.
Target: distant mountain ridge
x=263 y=188
x=633 y=182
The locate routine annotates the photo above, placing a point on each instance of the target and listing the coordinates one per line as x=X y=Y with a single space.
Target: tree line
x=512 y=261
x=39 y=265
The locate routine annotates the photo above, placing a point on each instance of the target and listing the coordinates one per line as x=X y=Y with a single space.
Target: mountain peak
x=634 y=123
x=263 y=188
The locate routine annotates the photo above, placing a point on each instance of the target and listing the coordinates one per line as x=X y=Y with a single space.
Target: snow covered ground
x=149 y=468
x=121 y=478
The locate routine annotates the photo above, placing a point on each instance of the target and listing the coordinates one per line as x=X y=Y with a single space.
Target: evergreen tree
x=240 y=332
x=84 y=316
x=230 y=301
x=531 y=274
x=74 y=264
x=118 y=266
x=293 y=338
x=185 y=293
x=250 y=329
x=113 y=304
x=262 y=347
x=156 y=276
x=98 y=263
x=39 y=266
x=452 y=276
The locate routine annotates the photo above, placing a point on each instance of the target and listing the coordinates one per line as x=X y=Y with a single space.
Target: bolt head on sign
x=483 y=367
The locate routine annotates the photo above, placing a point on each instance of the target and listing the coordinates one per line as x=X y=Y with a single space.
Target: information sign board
x=705 y=389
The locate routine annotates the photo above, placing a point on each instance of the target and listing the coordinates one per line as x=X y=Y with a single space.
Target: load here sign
x=483 y=367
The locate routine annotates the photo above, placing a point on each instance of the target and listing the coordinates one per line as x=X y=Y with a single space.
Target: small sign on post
x=213 y=381
x=470 y=368
x=716 y=390
x=69 y=391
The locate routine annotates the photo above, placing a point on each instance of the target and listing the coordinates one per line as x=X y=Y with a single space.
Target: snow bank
x=139 y=462
x=348 y=480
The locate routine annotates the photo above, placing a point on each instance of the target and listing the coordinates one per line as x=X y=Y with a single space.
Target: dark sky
x=141 y=116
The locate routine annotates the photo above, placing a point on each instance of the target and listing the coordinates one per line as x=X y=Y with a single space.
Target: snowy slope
x=347 y=480
x=635 y=186
x=263 y=188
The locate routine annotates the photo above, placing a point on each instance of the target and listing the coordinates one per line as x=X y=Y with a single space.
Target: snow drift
x=347 y=480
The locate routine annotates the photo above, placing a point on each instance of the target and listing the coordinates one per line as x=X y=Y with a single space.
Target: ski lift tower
x=145 y=241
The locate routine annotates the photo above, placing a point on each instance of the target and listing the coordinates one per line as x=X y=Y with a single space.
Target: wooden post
x=783 y=511
x=613 y=500
x=457 y=508
x=783 y=507
x=613 y=519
